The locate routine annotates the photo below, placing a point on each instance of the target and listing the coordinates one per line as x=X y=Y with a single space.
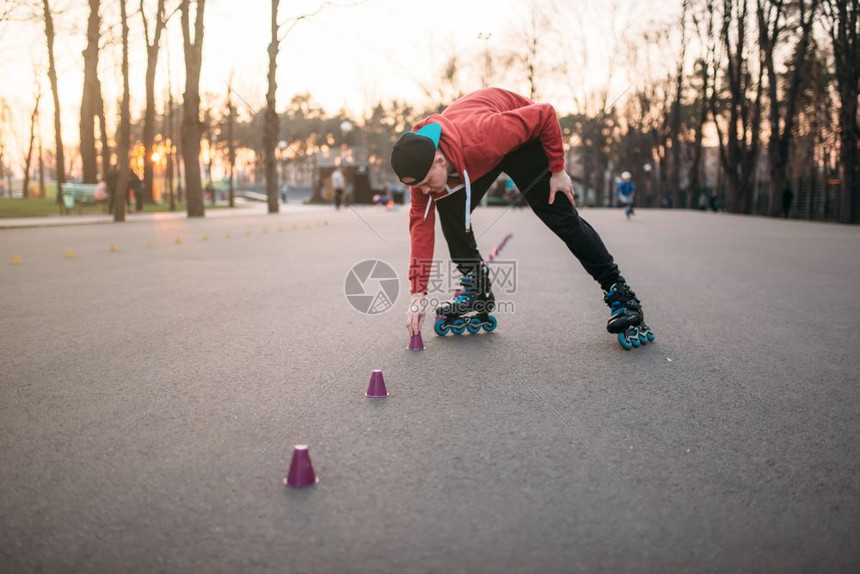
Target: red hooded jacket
x=478 y=130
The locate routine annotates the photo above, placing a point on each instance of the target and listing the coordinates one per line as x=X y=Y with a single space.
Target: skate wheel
x=649 y=334
x=440 y=327
x=490 y=324
x=458 y=327
x=474 y=326
x=624 y=341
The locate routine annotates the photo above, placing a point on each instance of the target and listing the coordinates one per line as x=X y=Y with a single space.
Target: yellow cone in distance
x=149 y=244
x=16 y=260
x=112 y=248
x=227 y=235
x=205 y=237
x=69 y=254
x=178 y=241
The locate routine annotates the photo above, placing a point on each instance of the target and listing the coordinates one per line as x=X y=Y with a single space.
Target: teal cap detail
x=431 y=131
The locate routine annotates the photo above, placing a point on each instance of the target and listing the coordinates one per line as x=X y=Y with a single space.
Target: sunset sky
x=350 y=55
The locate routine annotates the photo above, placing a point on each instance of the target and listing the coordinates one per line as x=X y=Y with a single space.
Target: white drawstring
x=427 y=209
x=468 y=201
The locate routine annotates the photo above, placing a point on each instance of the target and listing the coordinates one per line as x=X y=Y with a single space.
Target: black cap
x=413 y=153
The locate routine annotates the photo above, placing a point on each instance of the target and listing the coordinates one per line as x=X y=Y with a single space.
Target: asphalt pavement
x=155 y=376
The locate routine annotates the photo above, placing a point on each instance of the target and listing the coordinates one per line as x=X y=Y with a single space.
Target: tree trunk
x=844 y=35
x=25 y=192
x=191 y=124
x=849 y=193
x=706 y=64
x=170 y=151
x=152 y=49
x=270 y=137
x=42 y=193
x=171 y=138
x=697 y=143
x=781 y=125
x=90 y=97
x=100 y=113
x=58 y=132
x=124 y=142
x=231 y=144
x=676 y=114
x=739 y=149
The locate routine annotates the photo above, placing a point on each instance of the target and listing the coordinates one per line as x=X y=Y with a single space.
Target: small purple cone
x=416 y=343
x=376 y=387
x=301 y=470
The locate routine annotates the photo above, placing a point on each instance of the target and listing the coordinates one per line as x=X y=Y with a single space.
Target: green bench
x=79 y=193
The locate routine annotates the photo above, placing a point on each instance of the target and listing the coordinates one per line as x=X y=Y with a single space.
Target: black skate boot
x=627 y=319
x=471 y=309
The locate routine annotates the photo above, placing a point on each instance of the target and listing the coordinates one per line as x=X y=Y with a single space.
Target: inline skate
x=470 y=309
x=627 y=319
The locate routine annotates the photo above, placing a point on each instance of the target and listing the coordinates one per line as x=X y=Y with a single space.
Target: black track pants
x=528 y=167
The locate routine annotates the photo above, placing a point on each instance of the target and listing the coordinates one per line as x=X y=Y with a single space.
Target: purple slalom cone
x=416 y=343
x=376 y=387
x=301 y=470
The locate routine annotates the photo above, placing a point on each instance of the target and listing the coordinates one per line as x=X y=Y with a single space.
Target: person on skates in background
x=451 y=160
x=625 y=192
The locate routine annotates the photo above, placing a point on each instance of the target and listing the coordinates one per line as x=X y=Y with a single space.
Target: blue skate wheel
x=633 y=337
x=440 y=327
x=643 y=337
x=624 y=341
x=490 y=324
x=474 y=325
x=458 y=327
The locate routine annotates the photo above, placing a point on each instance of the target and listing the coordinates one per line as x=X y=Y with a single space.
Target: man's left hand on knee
x=560 y=182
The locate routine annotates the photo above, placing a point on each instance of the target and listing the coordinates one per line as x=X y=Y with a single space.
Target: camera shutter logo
x=371 y=286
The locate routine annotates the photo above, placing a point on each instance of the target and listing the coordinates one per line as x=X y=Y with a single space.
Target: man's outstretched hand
x=415 y=313
x=560 y=181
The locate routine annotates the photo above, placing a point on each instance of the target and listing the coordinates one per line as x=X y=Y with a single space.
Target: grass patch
x=38 y=207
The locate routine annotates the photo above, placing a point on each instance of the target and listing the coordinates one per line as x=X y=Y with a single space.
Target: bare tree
x=842 y=17
x=231 y=142
x=42 y=192
x=124 y=143
x=52 y=77
x=448 y=87
x=739 y=144
x=270 y=135
x=533 y=48
x=772 y=22
x=170 y=159
x=170 y=138
x=4 y=127
x=152 y=49
x=675 y=119
x=705 y=64
x=91 y=99
x=34 y=119
x=192 y=127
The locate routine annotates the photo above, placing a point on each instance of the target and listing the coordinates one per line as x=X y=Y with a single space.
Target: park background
x=708 y=104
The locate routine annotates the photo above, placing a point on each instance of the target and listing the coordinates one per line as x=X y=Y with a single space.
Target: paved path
x=150 y=398
x=243 y=209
